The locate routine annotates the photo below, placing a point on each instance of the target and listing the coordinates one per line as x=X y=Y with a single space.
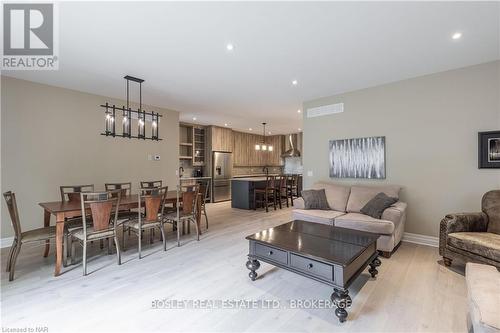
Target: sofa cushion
x=483 y=290
x=491 y=207
x=363 y=222
x=315 y=199
x=337 y=195
x=360 y=195
x=485 y=244
x=376 y=206
x=318 y=216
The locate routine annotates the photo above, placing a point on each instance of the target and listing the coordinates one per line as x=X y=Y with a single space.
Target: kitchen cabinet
x=222 y=139
x=245 y=155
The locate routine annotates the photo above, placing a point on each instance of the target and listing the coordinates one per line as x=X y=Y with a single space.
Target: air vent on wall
x=325 y=110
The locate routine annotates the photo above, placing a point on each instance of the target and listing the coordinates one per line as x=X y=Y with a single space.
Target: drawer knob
x=270 y=253
x=310 y=266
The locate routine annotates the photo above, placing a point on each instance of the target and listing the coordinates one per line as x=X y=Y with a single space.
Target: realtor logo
x=29 y=36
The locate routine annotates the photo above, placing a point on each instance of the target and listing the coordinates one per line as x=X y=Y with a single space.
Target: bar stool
x=265 y=194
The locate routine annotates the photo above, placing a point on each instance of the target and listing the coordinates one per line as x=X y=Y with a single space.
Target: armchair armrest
x=461 y=222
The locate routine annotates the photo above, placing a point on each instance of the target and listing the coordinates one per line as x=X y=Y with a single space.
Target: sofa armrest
x=462 y=222
x=298 y=203
x=395 y=213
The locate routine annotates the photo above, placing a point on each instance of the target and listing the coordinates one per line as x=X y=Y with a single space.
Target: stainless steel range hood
x=293 y=144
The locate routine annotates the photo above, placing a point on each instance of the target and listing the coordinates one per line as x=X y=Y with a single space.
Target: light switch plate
x=309 y=173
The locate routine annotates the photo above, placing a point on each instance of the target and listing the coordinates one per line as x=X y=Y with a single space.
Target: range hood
x=293 y=142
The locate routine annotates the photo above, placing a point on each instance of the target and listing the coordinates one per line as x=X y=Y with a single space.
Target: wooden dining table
x=67 y=209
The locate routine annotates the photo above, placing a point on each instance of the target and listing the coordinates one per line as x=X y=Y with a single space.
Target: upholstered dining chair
x=40 y=235
x=188 y=211
x=153 y=200
x=103 y=208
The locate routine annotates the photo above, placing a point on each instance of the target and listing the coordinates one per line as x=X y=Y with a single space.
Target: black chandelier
x=127 y=115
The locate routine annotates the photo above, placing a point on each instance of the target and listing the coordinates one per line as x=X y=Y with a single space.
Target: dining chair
x=204 y=197
x=103 y=208
x=41 y=235
x=151 y=184
x=71 y=193
x=125 y=189
x=281 y=190
x=188 y=211
x=263 y=195
x=153 y=200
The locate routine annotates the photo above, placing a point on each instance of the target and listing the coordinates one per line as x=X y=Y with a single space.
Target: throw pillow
x=376 y=206
x=315 y=199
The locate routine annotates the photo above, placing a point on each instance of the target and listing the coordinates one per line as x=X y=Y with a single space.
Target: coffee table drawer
x=312 y=267
x=271 y=253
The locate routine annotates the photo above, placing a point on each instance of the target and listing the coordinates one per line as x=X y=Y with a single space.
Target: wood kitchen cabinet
x=245 y=155
x=222 y=139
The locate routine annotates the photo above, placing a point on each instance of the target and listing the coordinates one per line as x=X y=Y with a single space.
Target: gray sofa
x=346 y=203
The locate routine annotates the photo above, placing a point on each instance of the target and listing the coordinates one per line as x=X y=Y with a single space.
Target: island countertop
x=250 y=179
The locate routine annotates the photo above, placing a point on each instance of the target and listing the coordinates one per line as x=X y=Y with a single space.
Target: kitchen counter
x=255 y=175
x=194 y=178
x=250 y=179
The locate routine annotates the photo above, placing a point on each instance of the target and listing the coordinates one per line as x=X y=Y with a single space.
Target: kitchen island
x=242 y=191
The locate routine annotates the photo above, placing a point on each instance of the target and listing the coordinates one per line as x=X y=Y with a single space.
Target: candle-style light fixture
x=128 y=115
x=263 y=146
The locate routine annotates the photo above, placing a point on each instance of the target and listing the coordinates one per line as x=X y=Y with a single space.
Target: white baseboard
x=420 y=239
x=6 y=242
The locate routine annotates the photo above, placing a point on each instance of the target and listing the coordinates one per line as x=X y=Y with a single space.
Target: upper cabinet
x=245 y=155
x=222 y=139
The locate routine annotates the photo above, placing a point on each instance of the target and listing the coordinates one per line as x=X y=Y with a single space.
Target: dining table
x=62 y=210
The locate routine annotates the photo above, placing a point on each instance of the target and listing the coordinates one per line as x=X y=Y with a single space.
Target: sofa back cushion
x=491 y=207
x=360 y=195
x=336 y=195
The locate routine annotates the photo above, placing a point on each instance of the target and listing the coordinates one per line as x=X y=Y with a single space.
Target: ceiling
x=328 y=47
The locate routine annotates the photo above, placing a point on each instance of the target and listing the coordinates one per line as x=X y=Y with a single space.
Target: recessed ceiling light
x=225 y=124
x=250 y=129
x=295 y=82
x=229 y=47
x=456 y=35
x=300 y=129
x=269 y=133
x=194 y=118
x=299 y=111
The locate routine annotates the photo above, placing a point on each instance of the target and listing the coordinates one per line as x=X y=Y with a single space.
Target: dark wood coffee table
x=332 y=255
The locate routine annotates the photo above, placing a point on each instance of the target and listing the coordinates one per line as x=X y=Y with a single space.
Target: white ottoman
x=483 y=298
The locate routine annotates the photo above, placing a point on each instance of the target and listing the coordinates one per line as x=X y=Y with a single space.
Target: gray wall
x=431 y=126
x=51 y=137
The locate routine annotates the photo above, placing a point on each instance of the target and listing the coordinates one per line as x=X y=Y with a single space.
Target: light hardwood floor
x=412 y=293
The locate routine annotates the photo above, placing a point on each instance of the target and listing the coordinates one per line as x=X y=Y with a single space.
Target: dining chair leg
x=123 y=238
x=178 y=234
x=197 y=231
x=65 y=250
x=139 y=234
x=11 y=252
x=278 y=194
x=164 y=240
x=110 y=245
x=274 y=199
x=73 y=252
x=206 y=216
x=118 y=252
x=84 y=259
x=12 y=267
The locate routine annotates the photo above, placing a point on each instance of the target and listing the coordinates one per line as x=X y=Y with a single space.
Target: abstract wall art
x=358 y=158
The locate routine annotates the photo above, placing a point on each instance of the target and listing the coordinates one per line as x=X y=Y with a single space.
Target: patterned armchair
x=473 y=237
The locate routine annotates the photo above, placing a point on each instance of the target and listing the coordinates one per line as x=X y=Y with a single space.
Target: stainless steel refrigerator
x=222 y=168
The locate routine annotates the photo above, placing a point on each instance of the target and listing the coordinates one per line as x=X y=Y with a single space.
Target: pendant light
x=263 y=146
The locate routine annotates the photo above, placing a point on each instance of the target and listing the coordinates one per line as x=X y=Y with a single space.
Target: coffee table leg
x=253 y=265
x=342 y=300
x=373 y=267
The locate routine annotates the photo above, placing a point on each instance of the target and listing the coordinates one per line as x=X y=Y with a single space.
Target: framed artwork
x=358 y=158
x=489 y=150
